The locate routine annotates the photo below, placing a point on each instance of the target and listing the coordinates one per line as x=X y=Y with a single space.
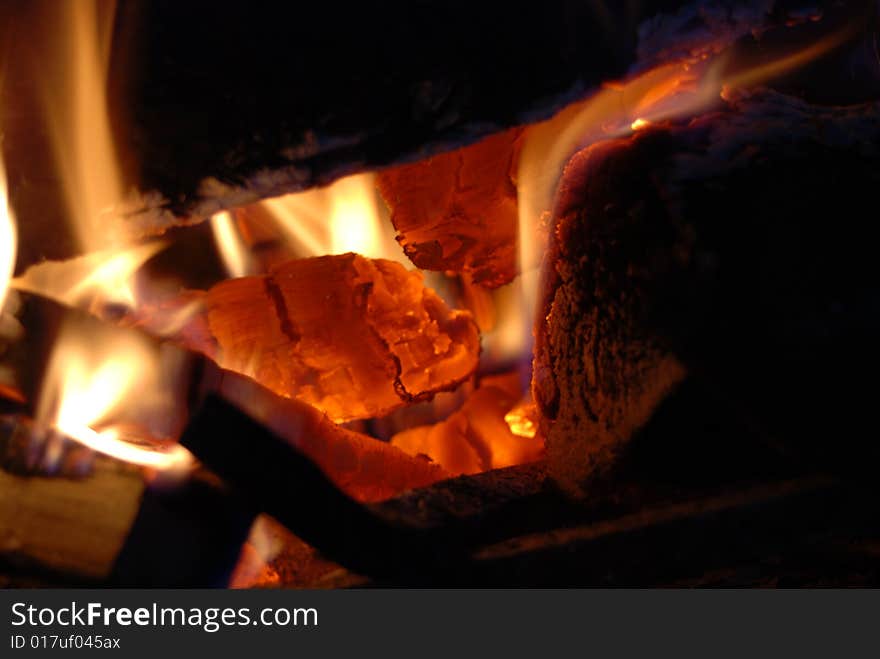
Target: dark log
x=271 y=98
x=274 y=97
x=736 y=246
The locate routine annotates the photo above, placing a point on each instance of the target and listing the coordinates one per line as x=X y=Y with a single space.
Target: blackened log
x=738 y=247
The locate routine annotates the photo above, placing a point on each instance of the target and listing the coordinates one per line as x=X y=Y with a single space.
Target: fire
x=345 y=216
x=76 y=104
x=674 y=90
x=93 y=381
x=8 y=238
x=86 y=387
x=231 y=247
x=521 y=420
x=669 y=91
x=100 y=278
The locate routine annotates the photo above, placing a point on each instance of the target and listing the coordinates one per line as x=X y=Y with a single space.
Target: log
x=476 y=437
x=733 y=247
x=365 y=87
x=457 y=211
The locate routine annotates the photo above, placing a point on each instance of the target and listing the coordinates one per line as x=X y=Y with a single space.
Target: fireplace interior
x=314 y=296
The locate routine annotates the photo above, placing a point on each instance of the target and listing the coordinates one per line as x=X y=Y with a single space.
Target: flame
x=8 y=238
x=76 y=104
x=106 y=277
x=670 y=91
x=345 y=216
x=93 y=380
x=674 y=90
x=230 y=245
x=85 y=386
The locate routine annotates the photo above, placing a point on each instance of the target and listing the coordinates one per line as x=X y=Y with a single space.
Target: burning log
x=457 y=211
x=387 y=340
x=733 y=247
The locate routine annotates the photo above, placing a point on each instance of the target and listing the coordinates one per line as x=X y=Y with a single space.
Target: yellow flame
x=106 y=277
x=86 y=385
x=8 y=238
x=231 y=247
x=354 y=217
x=345 y=216
x=77 y=111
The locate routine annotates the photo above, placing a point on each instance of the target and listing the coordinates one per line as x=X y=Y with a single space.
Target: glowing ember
x=639 y=124
x=478 y=436
x=521 y=420
x=354 y=337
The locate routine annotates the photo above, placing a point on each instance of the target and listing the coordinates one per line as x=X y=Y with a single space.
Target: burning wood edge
x=706 y=248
